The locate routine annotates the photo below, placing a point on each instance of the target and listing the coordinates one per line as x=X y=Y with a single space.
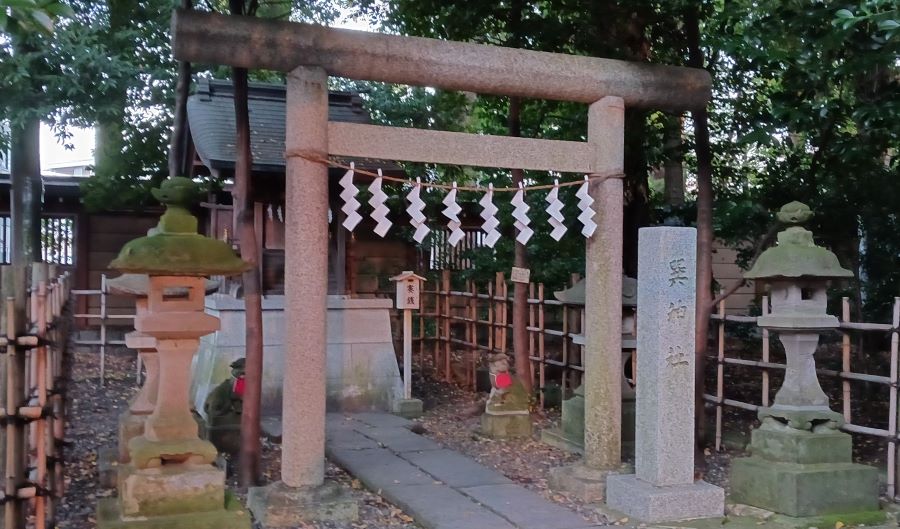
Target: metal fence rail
x=845 y=375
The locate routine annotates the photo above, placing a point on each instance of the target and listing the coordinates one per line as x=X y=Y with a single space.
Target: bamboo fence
x=34 y=407
x=845 y=376
x=459 y=328
x=102 y=320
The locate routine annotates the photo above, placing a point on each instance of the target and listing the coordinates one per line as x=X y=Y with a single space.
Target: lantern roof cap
x=174 y=247
x=139 y=285
x=796 y=255
x=407 y=274
x=575 y=295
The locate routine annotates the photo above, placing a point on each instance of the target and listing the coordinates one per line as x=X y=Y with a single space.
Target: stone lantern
x=800 y=462
x=170 y=480
x=570 y=435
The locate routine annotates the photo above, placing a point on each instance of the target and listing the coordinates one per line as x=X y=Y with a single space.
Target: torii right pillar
x=603 y=314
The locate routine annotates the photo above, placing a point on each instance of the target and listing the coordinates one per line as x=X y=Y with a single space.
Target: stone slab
x=278 y=506
x=524 y=508
x=441 y=507
x=349 y=439
x=378 y=468
x=232 y=516
x=804 y=490
x=664 y=431
x=399 y=439
x=378 y=420
x=649 y=503
x=455 y=469
x=801 y=446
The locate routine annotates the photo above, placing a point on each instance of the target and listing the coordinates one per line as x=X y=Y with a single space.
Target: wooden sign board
x=409 y=286
x=520 y=275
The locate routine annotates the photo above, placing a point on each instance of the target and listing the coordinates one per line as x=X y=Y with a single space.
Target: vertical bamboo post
x=437 y=330
x=12 y=402
x=490 y=318
x=103 y=291
x=473 y=332
x=892 y=405
x=505 y=307
x=445 y=286
x=845 y=358
x=720 y=375
x=543 y=367
x=531 y=344
x=765 y=354
x=40 y=512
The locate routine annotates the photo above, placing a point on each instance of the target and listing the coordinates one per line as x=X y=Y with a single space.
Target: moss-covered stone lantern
x=171 y=480
x=800 y=462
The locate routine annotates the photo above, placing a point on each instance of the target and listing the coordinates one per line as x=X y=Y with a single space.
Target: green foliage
x=806 y=108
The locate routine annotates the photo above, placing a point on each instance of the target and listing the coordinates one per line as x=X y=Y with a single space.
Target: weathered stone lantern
x=171 y=480
x=801 y=462
x=570 y=435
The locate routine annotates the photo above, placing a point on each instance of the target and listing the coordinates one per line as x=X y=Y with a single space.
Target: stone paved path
x=440 y=488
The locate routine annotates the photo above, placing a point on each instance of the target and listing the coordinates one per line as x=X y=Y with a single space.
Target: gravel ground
x=93 y=413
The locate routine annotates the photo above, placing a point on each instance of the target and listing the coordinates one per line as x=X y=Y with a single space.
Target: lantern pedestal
x=278 y=505
x=803 y=473
x=801 y=464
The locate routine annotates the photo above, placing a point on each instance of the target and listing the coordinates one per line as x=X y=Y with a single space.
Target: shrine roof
x=211 y=119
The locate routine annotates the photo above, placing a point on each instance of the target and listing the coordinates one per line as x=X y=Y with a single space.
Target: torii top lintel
x=250 y=42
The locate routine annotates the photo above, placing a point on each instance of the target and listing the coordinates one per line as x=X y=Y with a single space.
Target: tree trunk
x=520 y=260
x=704 y=233
x=108 y=139
x=25 y=193
x=243 y=204
x=178 y=161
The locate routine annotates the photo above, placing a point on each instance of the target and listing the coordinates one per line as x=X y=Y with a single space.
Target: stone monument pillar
x=171 y=480
x=603 y=317
x=302 y=494
x=663 y=487
x=801 y=463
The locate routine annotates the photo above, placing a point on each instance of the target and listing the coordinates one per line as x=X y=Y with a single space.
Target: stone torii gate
x=310 y=53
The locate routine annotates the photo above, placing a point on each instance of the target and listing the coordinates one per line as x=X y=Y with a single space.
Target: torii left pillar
x=302 y=495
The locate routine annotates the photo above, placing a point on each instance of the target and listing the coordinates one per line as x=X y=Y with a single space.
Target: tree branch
x=761 y=245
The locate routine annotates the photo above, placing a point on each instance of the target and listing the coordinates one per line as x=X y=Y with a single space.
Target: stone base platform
x=170 y=489
x=408 y=408
x=740 y=516
x=652 y=504
x=232 y=516
x=506 y=426
x=278 y=506
x=801 y=490
x=585 y=483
